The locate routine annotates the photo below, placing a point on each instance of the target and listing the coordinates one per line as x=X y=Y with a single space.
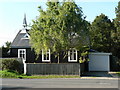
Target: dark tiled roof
x=20 y=40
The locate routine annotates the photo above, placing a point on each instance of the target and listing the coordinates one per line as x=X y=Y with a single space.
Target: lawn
x=14 y=74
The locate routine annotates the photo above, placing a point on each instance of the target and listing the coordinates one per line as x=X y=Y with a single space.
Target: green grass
x=10 y=74
x=13 y=74
x=50 y=76
x=118 y=74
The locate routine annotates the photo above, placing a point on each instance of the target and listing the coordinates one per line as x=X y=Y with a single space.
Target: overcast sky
x=12 y=13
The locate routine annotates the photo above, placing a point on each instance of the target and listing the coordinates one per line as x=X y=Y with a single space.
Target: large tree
x=116 y=33
x=101 y=29
x=58 y=28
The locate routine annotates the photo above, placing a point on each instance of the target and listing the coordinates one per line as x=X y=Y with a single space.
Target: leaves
x=63 y=26
x=105 y=34
x=101 y=30
x=60 y=27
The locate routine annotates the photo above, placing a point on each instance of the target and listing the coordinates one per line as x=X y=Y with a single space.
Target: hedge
x=10 y=64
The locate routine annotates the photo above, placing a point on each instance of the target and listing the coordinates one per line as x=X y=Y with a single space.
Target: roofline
x=20 y=47
x=15 y=38
x=99 y=53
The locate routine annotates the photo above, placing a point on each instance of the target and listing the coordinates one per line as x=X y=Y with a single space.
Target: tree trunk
x=58 y=58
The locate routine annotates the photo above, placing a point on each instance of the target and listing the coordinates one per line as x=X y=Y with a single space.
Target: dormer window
x=26 y=35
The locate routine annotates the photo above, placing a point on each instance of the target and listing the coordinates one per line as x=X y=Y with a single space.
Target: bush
x=10 y=64
x=8 y=74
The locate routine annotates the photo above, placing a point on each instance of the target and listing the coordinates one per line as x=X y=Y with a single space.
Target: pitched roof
x=21 y=40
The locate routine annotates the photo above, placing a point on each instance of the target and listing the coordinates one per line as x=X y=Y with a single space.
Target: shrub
x=84 y=57
x=8 y=74
x=10 y=64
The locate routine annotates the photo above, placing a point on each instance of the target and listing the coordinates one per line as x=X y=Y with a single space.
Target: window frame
x=46 y=53
x=22 y=54
x=69 y=55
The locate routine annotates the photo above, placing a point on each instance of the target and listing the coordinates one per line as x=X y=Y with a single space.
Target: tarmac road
x=59 y=83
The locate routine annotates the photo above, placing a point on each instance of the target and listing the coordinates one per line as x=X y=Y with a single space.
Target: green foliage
x=84 y=57
x=116 y=33
x=50 y=76
x=5 y=49
x=7 y=44
x=84 y=51
x=81 y=60
x=58 y=28
x=10 y=64
x=118 y=74
x=14 y=74
x=9 y=74
x=117 y=19
x=100 y=33
x=105 y=35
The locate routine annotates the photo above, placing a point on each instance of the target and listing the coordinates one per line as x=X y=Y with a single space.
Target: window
x=22 y=53
x=72 y=55
x=46 y=56
x=26 y=36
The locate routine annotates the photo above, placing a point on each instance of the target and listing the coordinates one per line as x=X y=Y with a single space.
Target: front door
x=22 y=54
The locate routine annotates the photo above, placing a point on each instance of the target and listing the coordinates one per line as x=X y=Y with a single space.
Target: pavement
x=99 y=75
x=114 y=75
x=58 y=83
x=88 y=80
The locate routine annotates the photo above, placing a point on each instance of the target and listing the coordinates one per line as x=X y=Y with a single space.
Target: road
x=59 y=83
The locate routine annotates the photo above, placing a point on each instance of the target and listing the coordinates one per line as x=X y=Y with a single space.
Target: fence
x=53 y=69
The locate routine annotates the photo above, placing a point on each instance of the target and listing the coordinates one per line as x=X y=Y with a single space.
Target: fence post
x=25 y=67
x=79 y=70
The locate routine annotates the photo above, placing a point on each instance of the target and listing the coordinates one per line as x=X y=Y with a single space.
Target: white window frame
x=47 y=54
x=74 y=52
x=22 y=53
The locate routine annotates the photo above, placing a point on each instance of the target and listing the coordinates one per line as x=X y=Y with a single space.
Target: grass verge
x=14 y=74
x=118 y=74
x=10 y=74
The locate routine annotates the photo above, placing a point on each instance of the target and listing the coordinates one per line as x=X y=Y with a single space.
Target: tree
x=117 y=21
x=5 y=49
x=7 y=44
x=116 y=33
x=101 y=29
x=58 y=28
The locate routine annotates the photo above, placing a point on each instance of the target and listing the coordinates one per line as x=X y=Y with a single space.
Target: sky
x=12 y=13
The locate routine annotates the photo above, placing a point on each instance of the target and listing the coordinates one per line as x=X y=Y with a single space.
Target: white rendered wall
x=99 y=62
